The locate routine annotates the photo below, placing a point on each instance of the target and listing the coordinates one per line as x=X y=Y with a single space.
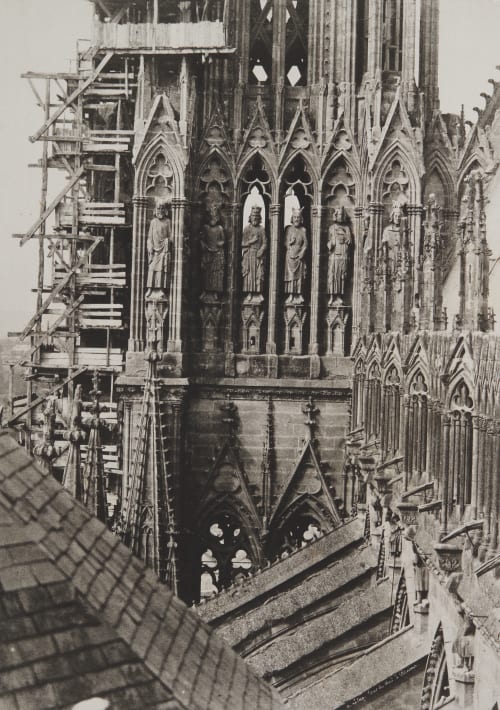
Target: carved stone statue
x=212 y=252
x=463 y=645
x=296 y=246
x=253 y=250
x=394 y=235
x=339 y=244
x=158 y=246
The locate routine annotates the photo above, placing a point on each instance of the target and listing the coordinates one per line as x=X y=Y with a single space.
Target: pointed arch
x=436 y=686
x=267 y=164
x=358 y=386
x=397 y=152
x=308 y=165
x=228 y=543
x=156 y=147
x=437 y=164
x=303 y=521
x=215 y=180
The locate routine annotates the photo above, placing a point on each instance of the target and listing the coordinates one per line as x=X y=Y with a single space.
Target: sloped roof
x=81 y=617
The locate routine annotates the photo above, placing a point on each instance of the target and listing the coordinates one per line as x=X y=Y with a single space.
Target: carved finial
x=310 y=410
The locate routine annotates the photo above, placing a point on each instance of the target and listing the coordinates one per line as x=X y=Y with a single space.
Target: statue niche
x=212 y=243
x=295 y=266
x=395 y=236
x=339 y=247
x=253 y=253
x=157 y=283
x=158 y=246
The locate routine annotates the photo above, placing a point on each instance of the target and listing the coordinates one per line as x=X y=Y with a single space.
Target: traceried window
x=261 y=42
x=297 y=16
x=392 y=45
x=299 y=530
x=461 y=445
x=226 y=554
x=262 y=20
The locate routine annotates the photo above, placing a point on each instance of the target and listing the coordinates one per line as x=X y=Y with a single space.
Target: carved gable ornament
x=216 y=134
x=257 y=135
x=307 y=480
x=161 y=121
x=299 y=137
x=226 y=479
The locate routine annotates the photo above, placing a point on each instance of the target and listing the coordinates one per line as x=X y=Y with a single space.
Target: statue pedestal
x=421 y=616
x=464 y=686
x=252 y=315
x=336 y=320
x=211 y=317
x=295 y=316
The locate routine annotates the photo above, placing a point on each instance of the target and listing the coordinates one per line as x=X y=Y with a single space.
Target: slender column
x=128 y=435
x=438 y=446
x=375 y=39
x=488 y=493
x=408 y=66
x=429 y=433
x=274 y=266
x=406 y=439
x=136 y=342
x=493 y=446
x=411 y=281
x=481 y=467
x=445 y=462
x=279 y=43
x=357 y=276
x=174 y=343
x=317 y=212
x=379 y=298
x=475 y=464
x=232 y=320
x=429 y=47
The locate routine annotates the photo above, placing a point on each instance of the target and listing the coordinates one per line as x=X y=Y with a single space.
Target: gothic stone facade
x=307 y=269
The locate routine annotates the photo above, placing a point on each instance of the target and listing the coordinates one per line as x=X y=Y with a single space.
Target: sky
x=41 y=35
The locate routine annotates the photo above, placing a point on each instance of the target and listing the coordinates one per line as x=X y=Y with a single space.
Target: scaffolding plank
x=76 y=93
x=39 y=400
x=57 y=289
x=30 y=233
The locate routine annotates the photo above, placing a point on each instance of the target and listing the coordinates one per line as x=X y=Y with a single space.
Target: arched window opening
x=261 y=43
x=373 y=402
x=357 y=395
x=298 y=531
x=297 y=17
x=391 y=413
x=363 y=28
x=417 y=425
x=461 y=445
x=392 y=45
x=226 y=555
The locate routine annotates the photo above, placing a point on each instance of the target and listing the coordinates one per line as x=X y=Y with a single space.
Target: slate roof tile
x=80 y=616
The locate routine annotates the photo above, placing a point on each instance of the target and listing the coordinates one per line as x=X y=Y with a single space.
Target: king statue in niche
x=394 y=236
x=212 y=243
x=253 y=252
x=158 y=246
x=295 y=263
x=339 y=247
